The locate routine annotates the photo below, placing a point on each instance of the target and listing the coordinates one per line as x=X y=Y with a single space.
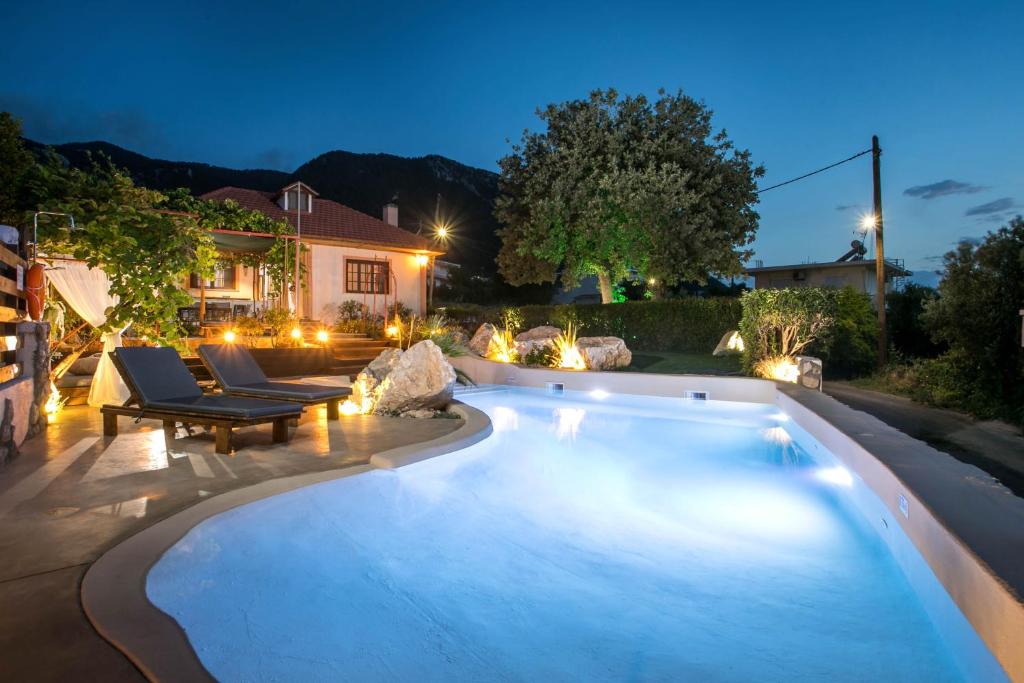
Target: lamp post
x=441 y=233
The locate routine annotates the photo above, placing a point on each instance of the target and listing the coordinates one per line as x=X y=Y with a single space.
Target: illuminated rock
x=535 y=338
x=481 y=340
x=604 y=353
x=422 y=378
x=367 y=382
x=731 y=342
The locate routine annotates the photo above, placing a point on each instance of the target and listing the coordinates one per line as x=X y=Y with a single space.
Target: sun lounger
x=162 y=388
x=238 y=374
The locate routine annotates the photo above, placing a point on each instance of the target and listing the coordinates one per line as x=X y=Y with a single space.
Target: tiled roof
x=329 y=220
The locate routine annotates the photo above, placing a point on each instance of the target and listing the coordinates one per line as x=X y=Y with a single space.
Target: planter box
x=293 y=362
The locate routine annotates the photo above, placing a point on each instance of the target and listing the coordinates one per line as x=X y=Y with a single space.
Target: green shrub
x=543 y=356
x=976 y=314
x=688 y=325
x=849 y=347
x=781 y=323
x=908 y=335
x=837 y=325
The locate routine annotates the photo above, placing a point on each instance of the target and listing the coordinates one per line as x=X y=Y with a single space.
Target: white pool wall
x=955 y=586
x=993 y=612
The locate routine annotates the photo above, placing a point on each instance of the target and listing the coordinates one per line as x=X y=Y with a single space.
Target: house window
x=293 y=199
x=223 y=278
x=367 y=277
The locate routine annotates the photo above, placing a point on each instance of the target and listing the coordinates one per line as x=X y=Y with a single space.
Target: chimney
x=391 y=214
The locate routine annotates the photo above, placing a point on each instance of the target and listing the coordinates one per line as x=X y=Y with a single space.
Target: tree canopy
x=977 y=315
x=619 y=184
x=145 y=249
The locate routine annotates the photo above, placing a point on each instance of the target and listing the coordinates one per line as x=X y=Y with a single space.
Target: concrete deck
x=73 y=494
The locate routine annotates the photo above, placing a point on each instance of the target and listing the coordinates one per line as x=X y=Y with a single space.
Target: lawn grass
x=669 y=363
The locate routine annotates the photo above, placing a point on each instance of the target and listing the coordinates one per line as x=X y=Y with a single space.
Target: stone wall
x=22 y=400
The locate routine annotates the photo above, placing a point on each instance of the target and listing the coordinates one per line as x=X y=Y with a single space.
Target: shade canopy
x=243 y=242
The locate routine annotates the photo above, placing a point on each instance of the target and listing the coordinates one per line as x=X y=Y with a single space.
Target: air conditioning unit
x=808 y=370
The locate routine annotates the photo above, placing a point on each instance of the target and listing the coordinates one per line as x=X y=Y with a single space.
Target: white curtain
x=87 y=290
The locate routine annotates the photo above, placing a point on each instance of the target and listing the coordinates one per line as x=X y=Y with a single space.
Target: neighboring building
x=858 y=274
x=443 y=272
x=351 y=255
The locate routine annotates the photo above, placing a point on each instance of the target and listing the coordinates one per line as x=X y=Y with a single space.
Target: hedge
x=688 y=325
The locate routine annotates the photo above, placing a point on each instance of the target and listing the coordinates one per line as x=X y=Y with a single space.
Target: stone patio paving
x=72 y=494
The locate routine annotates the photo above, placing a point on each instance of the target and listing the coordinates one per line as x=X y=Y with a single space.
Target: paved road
x=995 y=447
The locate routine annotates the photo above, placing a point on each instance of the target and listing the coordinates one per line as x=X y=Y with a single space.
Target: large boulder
x=365 y=387
x=535 y=338
x=604 y=353
x=421 y=379
x=481 y=340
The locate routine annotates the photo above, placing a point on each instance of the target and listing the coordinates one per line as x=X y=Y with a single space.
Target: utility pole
x=876 y=175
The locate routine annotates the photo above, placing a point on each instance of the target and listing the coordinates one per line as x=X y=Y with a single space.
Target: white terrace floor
x=72 y=494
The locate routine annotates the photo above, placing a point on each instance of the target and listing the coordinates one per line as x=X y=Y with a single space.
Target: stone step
x=349 y=368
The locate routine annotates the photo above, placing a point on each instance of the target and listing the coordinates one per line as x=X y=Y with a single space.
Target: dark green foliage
x=691 y=325
x=908 y=335
x=849 y=347
x=976 y=314
x=121 y=228
x=543 y=356
x=619 y=183
x=15 y=163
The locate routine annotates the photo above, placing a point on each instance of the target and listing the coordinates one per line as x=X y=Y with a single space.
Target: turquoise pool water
x=597 y=538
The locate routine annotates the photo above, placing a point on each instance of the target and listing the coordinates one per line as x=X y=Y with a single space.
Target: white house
x=351 y=255
x=856 y=273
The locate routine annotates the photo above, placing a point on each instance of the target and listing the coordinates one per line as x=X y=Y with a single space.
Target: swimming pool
x=591 y=537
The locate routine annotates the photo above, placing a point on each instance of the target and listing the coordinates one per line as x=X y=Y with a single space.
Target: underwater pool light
x=839 y=476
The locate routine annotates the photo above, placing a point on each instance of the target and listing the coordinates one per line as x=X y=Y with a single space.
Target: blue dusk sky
x=248 y=84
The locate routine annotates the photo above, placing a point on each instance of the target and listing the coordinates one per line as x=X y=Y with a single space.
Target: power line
x=808 y=175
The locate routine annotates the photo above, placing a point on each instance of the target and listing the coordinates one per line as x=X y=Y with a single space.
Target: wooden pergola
x=241 y=242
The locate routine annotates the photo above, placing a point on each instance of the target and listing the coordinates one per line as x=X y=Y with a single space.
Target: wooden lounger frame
x=333 y=404
x=223 y=424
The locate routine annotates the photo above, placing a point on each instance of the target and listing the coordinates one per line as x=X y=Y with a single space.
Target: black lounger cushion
x=157 y=373
x=302 y=392
x=236 y=371
x=228 y=406
x=231 y=365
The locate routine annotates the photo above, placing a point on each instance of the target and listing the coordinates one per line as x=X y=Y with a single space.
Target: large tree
x=622 y=183
x=977 y=315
